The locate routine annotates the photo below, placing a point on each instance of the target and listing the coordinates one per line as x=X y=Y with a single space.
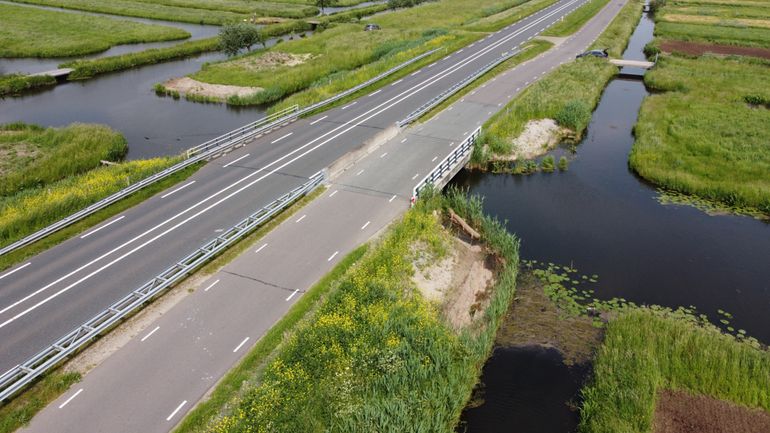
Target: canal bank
x=600 y=218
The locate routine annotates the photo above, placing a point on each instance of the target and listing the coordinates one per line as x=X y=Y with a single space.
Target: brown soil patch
x=681 y=412
x=186 y=85
x=534 y=320
x=698 y=49
x=272 y=60
x=460 y=282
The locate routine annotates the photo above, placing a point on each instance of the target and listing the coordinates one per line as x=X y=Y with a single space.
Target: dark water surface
x=602 y=219
x=532 y=392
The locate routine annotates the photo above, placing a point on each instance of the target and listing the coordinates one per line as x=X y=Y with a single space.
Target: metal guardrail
x=20 y=376
x=209 y=149
x=246 y=131
x=414 y=115
x=447 y=164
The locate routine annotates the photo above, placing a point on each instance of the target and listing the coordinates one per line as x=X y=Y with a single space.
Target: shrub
x=575 y=115
x=547 y=164
x=563 y=163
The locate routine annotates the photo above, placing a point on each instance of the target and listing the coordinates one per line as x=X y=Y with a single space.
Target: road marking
x=175 y=191
x=451 y=107
x=96 y=230
x=460 y=51
x=359 y=173
x=176 y=410
x=241 y=345
x=365 y=225
x=335 y=192
x=374 y=93
x=214 y=283
x=432 y=65
x=434 y=158
x=489 y=113
x=151 y=332
x=415 y=176
x=292 y=295
x=332 y=256
x=396 y=82
x=318 y=120
x=61 y=406
x=383 y=155
x=264 y=171
x=392 y=198
x=260 y=248
x=15 y=270
x=415 y=72
x=451 y=144
x=518 y=88
x=462 y=100
x=301 y=218
x=349 y=105
x=281 y=138
x=403 y=141
x=233 y=162
x=500 y=104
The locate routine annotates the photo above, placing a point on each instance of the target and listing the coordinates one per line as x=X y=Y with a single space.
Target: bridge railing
x=205 y=151
x=445 y=167
x=23 y=374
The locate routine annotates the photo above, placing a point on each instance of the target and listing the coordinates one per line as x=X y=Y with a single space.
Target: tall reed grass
x=382 y=358
x=15 y=84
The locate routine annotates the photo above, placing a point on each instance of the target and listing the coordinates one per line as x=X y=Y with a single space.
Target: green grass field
x=576 y=19
x=346 y=47
x=723 y=22
x=701 y=136
x=384 y=359
x=645 y=352
x=28 y=32
x=14 y=84
x=191 y=11
x=578 y=83
x=33 y=156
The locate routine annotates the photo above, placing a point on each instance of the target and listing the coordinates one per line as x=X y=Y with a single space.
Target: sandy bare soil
x=680 y=412
x=698 y=49
x=186 y=85
x=459 y=282
x=272 y=60
x=538 y=137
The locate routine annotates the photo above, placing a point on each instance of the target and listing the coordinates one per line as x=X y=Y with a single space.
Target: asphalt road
x=151 y=382
x=61 y=288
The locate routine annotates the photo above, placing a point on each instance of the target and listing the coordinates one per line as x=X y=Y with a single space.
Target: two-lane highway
x=159 y=375
x=57 y=290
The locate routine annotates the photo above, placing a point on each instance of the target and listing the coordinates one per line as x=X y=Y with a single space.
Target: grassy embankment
x=649 y=349
x=576 y=19
x=40 y=185
x=568 y=95
x=645 y=352
x=189 y=11
x=707 y=134
x=29 y=32
x=340 y=53
x=384 y=358
x=15 y=84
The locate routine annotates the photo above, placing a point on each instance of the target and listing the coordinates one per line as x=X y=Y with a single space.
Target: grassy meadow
x=745 y=23
x=575 y=20
x=49 y=173
x=28 y=32
x=384 y=358
x=343 y=48
x=702 y=135
x=568 y=94
x=33 y=156
x=646 y=351
x=14 y=84
x=214 y=12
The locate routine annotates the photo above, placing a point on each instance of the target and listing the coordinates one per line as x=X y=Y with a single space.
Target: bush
x=547 y=164
x=575 y=115
x=563 y=163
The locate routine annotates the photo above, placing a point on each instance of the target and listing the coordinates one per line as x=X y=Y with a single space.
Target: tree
x=234 y=37
x=324 y=4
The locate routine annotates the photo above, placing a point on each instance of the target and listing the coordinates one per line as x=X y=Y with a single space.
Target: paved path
x=155 y=379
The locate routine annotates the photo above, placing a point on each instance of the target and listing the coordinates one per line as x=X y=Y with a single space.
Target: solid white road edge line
x=61 y=406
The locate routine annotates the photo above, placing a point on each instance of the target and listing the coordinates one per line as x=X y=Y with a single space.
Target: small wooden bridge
x=632 y=63
x=56 y=73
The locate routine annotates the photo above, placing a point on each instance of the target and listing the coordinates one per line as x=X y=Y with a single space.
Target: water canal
x=602 y=219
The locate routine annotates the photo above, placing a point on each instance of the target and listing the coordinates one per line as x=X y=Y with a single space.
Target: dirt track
x=680 y=412
x=698 y=49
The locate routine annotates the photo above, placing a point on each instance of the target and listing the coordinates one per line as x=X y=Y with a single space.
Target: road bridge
x=191 y=346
